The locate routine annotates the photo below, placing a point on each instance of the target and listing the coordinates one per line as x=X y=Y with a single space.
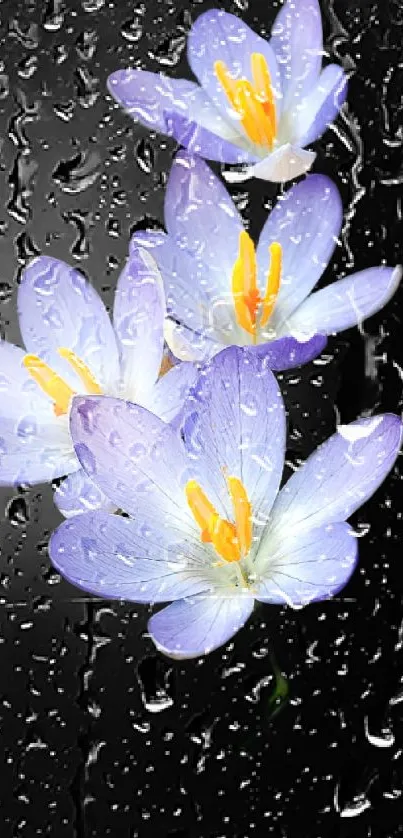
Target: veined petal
x=287 y=353
x=345 y=303
x=118 y=558
x=306 y=222
x=285 y=163
x=193 y=298
x=178 y=108
x=168 y=395
x=35 y=445
x=205 y=142
x=339 y=476
x=197 y=626
x=201 y=216
x=78 y=494
x=307 y=566
x=58 y=307
x=321 y=107
x=219 y=36
x=235 y=427
x=136 y=459
x=297 y=41
x=138 y=318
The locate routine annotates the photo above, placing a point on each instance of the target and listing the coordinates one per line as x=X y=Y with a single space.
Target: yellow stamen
x=228 y=84
x=263 y=86
x=253 y=101
x=243 y=513
x=245 y=292
x=254 y=120
x=273 y=282
x=203 y=511
x=54 y=386
x=90 y=383
x=231 y=541
x=244 y=284
x=214 y=529
x=51 y=383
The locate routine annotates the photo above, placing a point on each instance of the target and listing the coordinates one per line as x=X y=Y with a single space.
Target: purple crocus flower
x=258 y=102
x=220 y=290
x=208 y=527
x=72 y=347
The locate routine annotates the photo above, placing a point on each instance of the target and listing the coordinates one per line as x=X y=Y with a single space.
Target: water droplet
x=156 y=684
x=79 y=172
x=17 y=511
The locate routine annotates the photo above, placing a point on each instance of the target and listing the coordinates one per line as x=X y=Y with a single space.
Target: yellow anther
x=51 y=383
x=245 y=292
x=244 y=284
x=252 y=101
x=264 y=89
x=228 y=84
x=243 y=513
x=273 y=282
x=231 y=541
x=54 y=386
x=90 y=383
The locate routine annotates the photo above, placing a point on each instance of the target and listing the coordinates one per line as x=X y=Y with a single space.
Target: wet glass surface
x=294 y=728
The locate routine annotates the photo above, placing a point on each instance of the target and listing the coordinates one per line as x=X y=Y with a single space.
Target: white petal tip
x=285 y=164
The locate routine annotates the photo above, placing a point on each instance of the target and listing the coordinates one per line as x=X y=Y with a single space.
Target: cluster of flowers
x=173 y=478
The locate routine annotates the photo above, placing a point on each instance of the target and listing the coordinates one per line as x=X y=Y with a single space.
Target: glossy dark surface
x=102 y=736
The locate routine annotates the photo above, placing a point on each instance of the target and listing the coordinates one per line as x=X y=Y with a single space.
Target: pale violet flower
x=72 y=347
x=208 y=527
x=257 y=102
x=222 y=290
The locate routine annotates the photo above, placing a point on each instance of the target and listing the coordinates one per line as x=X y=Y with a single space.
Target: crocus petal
x=146 y=96
x=235 y=427
x=189 y=345
x=111 y=557
x=219 y=36
x=307 y=566
x=286 y=163
x=138 y=318
x=178 y=108
x=340 y=476
x=345 y=303
x=320 y=108
x=297 y=41
x=134 y=457
x=306 y=223
x=35 y=445
x=189 y=628
x=287 y=353
x=167 y=397
x=57 y=307
x=201 y=216
x=40 y=454
x=190 y=299
x=79 y=494
x=200 y=140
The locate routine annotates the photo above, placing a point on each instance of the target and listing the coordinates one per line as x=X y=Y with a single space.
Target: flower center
x=253 y=102
x=249 y=305
x=232 y=541
x=54 y=386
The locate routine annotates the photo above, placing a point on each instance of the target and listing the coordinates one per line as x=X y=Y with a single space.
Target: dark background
x=102 y=736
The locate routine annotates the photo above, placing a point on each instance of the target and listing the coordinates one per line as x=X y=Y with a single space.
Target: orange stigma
x=53 y=385
x=253 y=102
x=248 y=302
x=231 y=541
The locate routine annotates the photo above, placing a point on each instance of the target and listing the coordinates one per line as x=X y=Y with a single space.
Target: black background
x=102 y=736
